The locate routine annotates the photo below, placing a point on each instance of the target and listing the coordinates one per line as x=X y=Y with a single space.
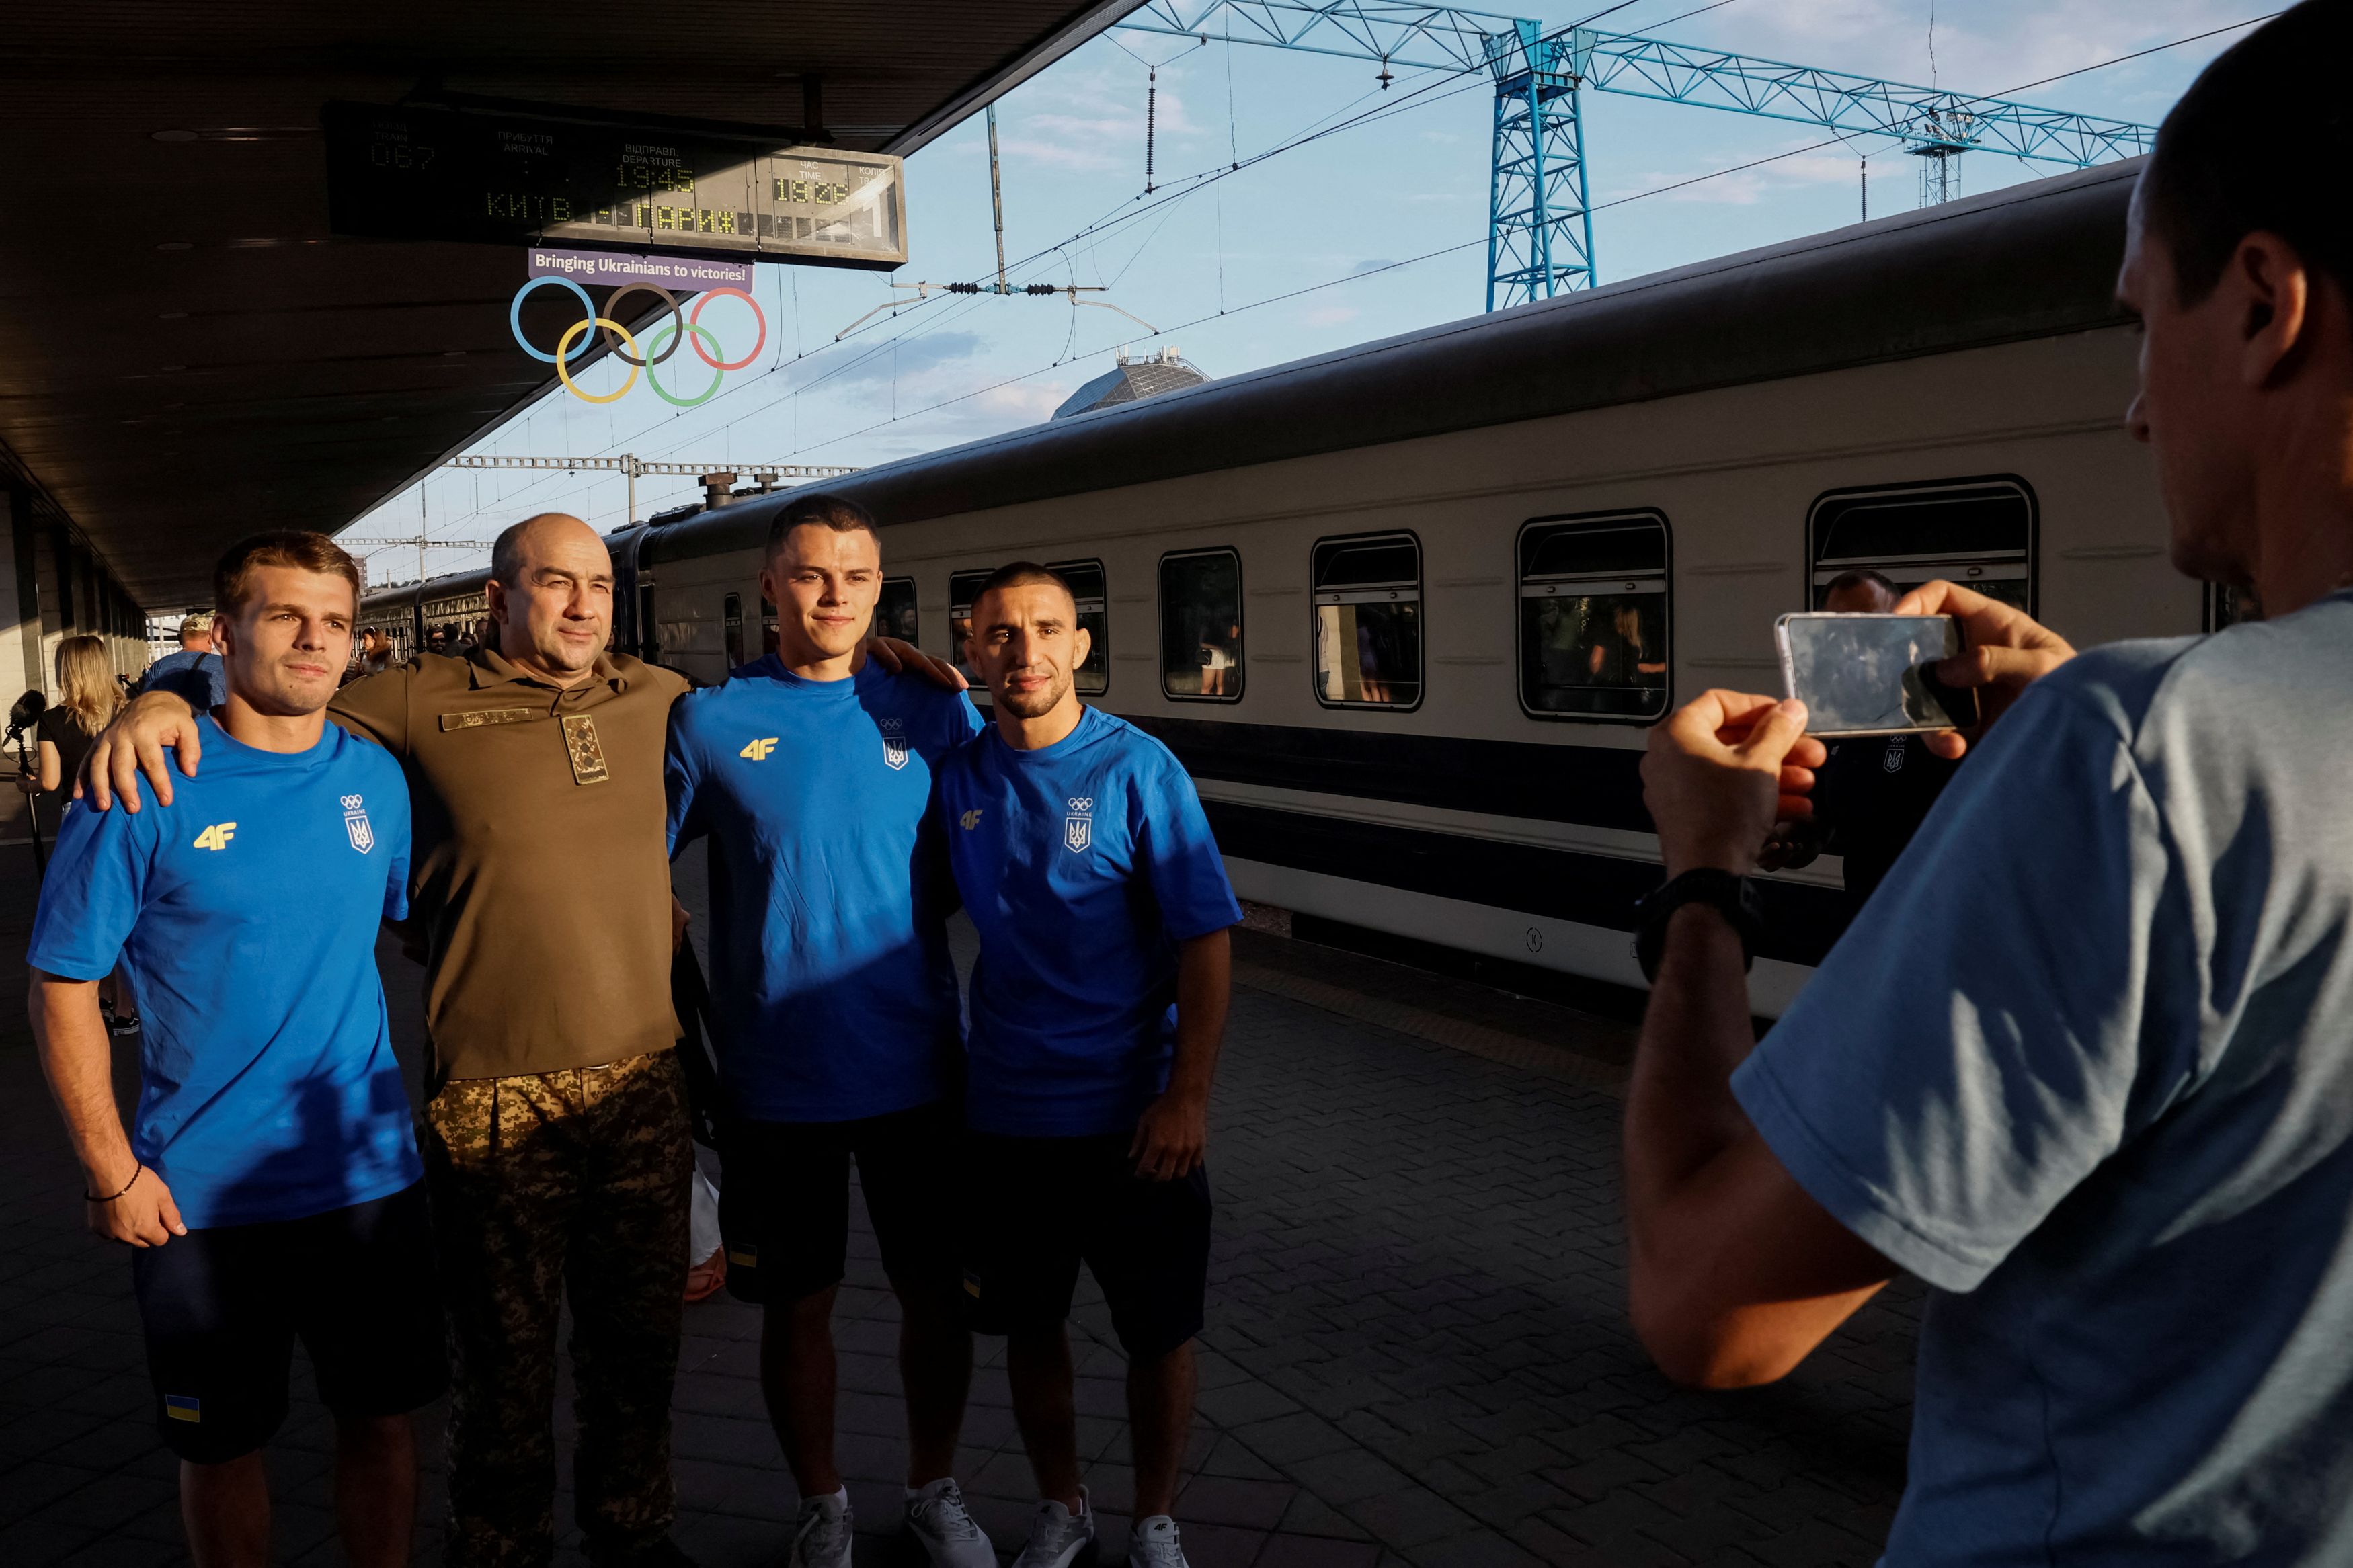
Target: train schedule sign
x=399 y=173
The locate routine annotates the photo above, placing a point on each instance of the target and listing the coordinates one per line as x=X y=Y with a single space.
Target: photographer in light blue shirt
x=2082 y=1065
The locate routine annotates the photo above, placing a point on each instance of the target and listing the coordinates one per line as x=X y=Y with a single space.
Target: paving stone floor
x=1416 y=1353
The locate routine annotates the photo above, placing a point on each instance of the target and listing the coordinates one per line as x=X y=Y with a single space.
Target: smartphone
x=1872 y=675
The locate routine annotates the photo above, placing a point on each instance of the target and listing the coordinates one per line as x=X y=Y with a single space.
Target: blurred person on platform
x=192 y=674
x=2084 y=1069
x=88 y=697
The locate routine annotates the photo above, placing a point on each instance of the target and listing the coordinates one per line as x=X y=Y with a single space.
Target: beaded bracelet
x=94 y=1198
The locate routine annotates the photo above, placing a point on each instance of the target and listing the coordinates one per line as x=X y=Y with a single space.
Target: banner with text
x=611 y=269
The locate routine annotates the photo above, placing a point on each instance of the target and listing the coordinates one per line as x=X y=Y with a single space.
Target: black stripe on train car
x=1801 y=922
x=1591 y=786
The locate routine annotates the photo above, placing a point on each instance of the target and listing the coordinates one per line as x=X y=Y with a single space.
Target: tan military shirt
x=538 y=871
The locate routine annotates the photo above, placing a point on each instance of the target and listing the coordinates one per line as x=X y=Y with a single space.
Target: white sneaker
x=823 y=1533
x=1059 y=1538
x=1153 y=1544
x=936 y=1516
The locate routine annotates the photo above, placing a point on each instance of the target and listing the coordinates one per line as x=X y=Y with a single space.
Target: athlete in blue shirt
x=1097 y=1010
x=835 y=1009
x=270 y=1183
x=192 y=674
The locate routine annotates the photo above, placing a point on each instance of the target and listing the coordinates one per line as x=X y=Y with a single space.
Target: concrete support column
x=22 y=654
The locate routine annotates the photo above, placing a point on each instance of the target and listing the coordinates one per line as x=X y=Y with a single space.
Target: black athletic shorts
x=1035 y=1209
x=783 y=1201
x=222 y=1306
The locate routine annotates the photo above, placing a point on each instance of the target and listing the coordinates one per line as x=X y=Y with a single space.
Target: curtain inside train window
x=1201 y=626
x=1367 y=596
x=1086 y=581
x=1594 y=616
x=732 y=619
x=962 y=585
x=894 y=613
x=1978 y=532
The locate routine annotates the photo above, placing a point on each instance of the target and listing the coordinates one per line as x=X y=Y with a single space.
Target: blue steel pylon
x=1539 y=223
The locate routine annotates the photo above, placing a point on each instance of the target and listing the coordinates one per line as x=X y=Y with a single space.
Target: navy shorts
x=1036 y=1208
x=783 y=1201
x=222 y=1306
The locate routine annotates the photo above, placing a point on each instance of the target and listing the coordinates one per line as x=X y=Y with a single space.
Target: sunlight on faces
x=824 y=584
x=559 y=610
x=2192 y=407
x=284 y=649
x=1025 y=641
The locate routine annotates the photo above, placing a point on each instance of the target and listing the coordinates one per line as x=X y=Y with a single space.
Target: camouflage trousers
x=572 y=1181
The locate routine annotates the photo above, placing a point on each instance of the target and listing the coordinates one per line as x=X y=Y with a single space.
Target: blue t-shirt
x=246 y=913
x=2084 y=1063
x=832 y=993
x=196 y=679
x=1082 y=864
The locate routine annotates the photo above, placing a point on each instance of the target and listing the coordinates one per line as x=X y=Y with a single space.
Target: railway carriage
x=1404 y=610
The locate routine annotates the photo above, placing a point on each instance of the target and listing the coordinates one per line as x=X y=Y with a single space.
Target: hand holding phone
x=1872 y=674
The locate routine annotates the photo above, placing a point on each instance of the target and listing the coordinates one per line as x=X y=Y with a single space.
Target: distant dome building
x=1131 y=381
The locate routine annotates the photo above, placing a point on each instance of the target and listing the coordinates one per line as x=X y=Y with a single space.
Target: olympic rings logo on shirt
x=684 y=326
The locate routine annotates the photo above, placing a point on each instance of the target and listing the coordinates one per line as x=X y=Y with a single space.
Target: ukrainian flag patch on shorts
x=744 y=1257
x=183 y=1407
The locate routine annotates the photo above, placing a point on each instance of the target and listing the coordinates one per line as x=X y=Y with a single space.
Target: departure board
x=437 y=174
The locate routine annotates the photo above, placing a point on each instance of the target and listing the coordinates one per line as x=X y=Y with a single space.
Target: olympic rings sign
x=684 y=326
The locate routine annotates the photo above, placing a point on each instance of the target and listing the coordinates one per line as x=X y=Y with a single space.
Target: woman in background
x=88 y=696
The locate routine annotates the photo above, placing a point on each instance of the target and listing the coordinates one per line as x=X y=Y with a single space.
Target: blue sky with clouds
x=1212 y=268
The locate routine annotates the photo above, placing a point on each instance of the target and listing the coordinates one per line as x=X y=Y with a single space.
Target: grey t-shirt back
x=2085 y=1064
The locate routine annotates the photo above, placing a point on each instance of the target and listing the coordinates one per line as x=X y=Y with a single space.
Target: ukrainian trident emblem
x=1079 y=828
x=895 y=744
x=356 y=826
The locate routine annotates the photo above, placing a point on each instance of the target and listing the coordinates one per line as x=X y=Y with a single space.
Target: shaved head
x=537 y=538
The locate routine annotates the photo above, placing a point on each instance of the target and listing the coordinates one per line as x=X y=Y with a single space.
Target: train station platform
x=1417 y=1350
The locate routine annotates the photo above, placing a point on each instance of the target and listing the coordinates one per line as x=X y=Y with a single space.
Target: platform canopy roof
x=185 y=354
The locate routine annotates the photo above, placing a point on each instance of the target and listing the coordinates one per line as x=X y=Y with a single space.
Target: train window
x=1201 y=626
x=648 y=635
x=1980 y=534
x=1086 y=581
x=732 y=614
x=1594 y=622
x=894 y=613
x=768 y=626
x=2227 y=606
x=962 y=585
x=1368 y=593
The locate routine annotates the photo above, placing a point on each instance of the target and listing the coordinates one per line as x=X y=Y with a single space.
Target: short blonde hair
x=194 y=622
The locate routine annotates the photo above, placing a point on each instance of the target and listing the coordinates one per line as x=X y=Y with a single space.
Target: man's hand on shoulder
x=1720 y=771
x=906 y=658
x=2007 y=650
x=1172 y=1137
x=133 y=744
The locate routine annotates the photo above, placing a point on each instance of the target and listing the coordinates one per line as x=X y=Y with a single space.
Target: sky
x=1377 y=229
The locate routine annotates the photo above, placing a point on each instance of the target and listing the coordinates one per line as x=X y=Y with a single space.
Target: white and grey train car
x=1405 y=610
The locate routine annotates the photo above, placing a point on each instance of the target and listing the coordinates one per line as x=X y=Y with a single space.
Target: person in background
x=373 y=655
x=1872 y=792
x=834 y=1011
x=193 y=674
x=87 y=698
x=1098 y=1007
x=2084 y=1071
x=270 y=1186
x=1618 y=655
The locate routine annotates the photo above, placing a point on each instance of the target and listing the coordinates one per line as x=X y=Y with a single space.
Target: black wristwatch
x=1734 y=897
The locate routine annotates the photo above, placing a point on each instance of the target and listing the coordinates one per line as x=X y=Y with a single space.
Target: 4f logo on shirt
x=355 y=825
x=970 y=819
x=759 y=749
x=895 y=744
x=216 y=836
x=1079 y=828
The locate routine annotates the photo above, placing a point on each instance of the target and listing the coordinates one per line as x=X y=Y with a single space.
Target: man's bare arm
x=77 y=1055
x=132 y=744
x=1173 y=1134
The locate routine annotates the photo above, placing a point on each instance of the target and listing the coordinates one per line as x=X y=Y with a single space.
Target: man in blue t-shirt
x=834 y=1009
x=2081 y=1064
x=192 y=674
x=1098 y=1005
x=270 y=1183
